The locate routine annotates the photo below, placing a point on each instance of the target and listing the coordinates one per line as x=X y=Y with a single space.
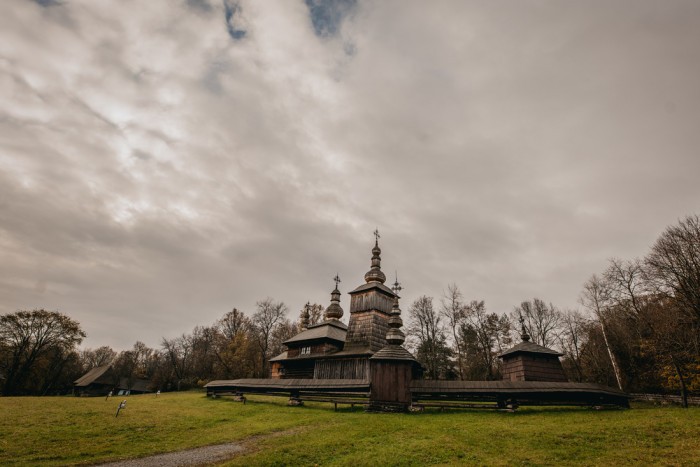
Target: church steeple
x=334 y=311
x=375 y=273
x=395 y=336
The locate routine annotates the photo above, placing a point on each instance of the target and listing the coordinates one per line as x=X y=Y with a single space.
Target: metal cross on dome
x=397 y=286
x=337 y=280
x=376 y=235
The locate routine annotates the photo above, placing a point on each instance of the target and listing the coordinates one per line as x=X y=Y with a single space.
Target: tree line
x=39 y=352
x=638 y=328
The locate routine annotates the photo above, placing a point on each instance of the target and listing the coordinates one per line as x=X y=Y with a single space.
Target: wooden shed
x=528 y=361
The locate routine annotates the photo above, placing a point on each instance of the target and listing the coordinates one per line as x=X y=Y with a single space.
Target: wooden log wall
x=526 y=367
x=345 y=368
x=371 y=300
x=367 y=329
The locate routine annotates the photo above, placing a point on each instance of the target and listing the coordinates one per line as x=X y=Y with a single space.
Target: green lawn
x=68 y=430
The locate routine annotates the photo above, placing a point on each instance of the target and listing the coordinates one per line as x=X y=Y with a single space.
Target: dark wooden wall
x=322 y=348
x=526 y=367
x=371 y=300
x=342 y=368
x=391 y=381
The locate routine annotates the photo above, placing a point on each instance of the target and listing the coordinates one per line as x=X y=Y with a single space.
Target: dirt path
x=205 y=455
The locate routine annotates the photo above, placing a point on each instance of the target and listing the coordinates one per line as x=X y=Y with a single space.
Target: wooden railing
x=664 y=398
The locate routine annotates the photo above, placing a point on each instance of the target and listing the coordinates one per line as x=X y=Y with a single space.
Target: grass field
x=68 y=430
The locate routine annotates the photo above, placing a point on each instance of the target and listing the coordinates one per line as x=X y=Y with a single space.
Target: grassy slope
x=59 y=431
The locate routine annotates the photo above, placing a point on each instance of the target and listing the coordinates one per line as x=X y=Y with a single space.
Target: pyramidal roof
x=530 y=347
x=331 y=329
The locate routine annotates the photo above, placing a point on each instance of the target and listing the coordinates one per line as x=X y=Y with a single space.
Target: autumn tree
x=30 y=338
x=235 y=346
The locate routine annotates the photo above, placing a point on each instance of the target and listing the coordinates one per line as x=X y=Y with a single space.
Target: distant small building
x=102 y=379
x=96 y=382
x=528 y=361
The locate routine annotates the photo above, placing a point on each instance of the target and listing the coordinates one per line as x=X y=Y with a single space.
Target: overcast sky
x=164 y=161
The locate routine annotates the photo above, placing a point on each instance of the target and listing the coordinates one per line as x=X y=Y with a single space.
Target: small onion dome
x=375 y=274
x=334 y=311
x=305 y=317
x=395 y=336
x=523 y=330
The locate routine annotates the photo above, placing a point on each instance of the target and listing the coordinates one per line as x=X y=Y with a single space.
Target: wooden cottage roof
x=252 y=384
x=331 y=330
x=529 y=347
x=93 y=376
x=374 y=285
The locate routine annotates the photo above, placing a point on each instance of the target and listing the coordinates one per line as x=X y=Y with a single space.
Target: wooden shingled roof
x=331 y=329
x=253 y=384
x=393 y=352
x=96 y=375
x=530 y=347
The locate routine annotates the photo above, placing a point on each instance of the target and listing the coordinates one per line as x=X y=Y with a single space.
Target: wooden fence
x=664 y=399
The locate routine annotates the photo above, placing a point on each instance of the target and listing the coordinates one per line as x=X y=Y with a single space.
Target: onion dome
x=334 y=311
x=375 y=274
x=305 y=316
x=395 y=336
x=523 y=331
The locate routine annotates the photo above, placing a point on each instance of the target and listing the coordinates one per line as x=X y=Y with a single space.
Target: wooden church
x=332 y=350
x=364 y=362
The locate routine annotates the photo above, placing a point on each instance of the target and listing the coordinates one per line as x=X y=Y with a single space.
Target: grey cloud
x=154 y=173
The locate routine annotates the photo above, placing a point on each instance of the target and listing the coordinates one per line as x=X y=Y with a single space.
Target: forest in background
x=638 y=328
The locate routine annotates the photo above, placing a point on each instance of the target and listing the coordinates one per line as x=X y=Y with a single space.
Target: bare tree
x=571 y=339
x=596 y=298
x=484 y=332
x=453 y=310
x=179 y=354
x=315 y=315
x=269 y=314
x=91 y=358
x=674 y=264
x=541 y=320
x=627 y=283
x=432 y=349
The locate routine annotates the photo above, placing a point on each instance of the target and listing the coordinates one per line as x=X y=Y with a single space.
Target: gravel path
x=206 y=455
x=198 y=456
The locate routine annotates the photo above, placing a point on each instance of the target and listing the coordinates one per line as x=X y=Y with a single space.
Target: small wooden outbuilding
x=528 y=361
